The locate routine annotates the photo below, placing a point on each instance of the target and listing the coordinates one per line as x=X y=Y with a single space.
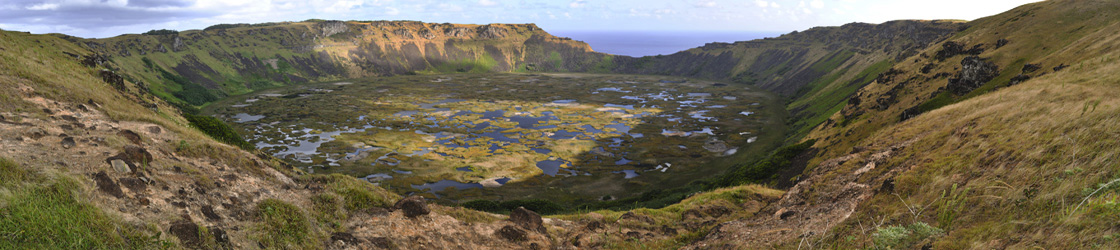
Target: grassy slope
x=818 y=69
x=1030 y=31
x=1006 y=167
x=47 y=199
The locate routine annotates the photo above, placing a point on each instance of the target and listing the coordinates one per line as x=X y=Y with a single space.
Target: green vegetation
x=41 y=213
x=357 y=194
x=161 y=32
x=537 y=205
x=908 y=237
x=763 y=170
x=218 y=130
x=284 y=226
x=191 y=92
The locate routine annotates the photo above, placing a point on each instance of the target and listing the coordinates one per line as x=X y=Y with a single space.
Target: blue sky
x=104 y=18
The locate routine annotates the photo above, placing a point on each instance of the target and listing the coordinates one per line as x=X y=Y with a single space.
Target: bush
x=540 y=206
x=161 y=32
x=763 y=169
x=357 y=194
x=285 y=226
x=218 y=130
x=484 y=205
x=899 y=237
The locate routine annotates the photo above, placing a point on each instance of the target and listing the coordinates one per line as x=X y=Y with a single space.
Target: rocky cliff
x=198 y=66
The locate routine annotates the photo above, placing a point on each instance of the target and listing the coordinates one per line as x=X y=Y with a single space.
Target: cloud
x=817 y=4
x=392 y=11
x=577 y=4
x=487 y=3
x=761 y=3
x=706 y=4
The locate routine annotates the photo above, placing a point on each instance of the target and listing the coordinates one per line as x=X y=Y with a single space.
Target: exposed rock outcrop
x=974 y=73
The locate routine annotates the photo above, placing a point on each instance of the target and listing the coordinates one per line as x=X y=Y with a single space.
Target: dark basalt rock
x=1060 y=67
x=68 y=142
x=135 y=184
x=1019 y=79
x=131 y=136
x=527 y=219
x=974 y=73
x=107 y=185
x=133 y=156
x=412 y=206
x=381 y=242
x=1031 y=68
x=512 y=233
x=344 y=237
x=636 y=217
x=208 y=211
x=187 y=232
x=1002 y=42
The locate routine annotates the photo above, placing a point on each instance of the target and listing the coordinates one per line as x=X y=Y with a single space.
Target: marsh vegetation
x=563 y=137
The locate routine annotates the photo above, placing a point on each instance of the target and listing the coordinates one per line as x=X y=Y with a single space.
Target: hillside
x=995 y=138
x=200 y=66
x=817 y=69
x=989 y=134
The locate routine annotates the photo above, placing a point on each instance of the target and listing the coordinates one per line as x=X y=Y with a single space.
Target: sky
x=106 y=18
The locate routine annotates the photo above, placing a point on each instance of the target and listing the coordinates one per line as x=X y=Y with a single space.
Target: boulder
x=636 y=217
x=512 y=233
x=527 y=219
x=412 y=206
x=107 y=185
x=131 y=136
x=187 y=232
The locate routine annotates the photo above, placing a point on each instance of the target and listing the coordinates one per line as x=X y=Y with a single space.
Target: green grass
x=56 y=215
x=284 y=226
x=818 y=107
x=356 y=194
x=218 y=130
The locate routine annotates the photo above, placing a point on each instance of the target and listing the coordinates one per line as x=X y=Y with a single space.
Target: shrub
x=540 y=206
x=484 y=205
x=285 y=226
x=899 y=237
x=357 y=194
x=161 y=32
x=218 y=130
x=765 y=168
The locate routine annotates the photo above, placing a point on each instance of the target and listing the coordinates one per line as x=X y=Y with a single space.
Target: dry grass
x=1026 y=156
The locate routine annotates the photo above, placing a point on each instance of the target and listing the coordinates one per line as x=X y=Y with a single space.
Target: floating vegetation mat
x=504 y=136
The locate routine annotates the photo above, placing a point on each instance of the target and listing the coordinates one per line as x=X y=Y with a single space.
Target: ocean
x=650 y=43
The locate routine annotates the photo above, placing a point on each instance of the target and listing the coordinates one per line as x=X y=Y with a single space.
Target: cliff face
x=819 y=68
x=199 y=66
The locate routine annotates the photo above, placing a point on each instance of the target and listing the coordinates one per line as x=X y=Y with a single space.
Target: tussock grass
x=284 y=226
x=730 y=197
x=37 y=213
x=357 y=195
x=1013 y=164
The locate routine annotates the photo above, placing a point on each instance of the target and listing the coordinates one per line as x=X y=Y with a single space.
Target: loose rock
x=412 y=206
x=527 y=219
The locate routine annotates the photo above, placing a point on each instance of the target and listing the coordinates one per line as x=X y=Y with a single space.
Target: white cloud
x=392 y=11
x=44 y=6
x=817 y=4
x=487 y=3
x=706 y=4
x=578 y=4
x=775 y=5
x=761 y=3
